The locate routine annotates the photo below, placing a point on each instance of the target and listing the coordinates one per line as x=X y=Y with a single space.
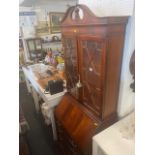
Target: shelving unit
x=53 y=45
x=35 y=48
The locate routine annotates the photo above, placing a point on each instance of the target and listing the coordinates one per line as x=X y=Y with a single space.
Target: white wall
x=27 y=29
x=120 y=8
x=110 y=7
x=126 y=97
x=43 y=9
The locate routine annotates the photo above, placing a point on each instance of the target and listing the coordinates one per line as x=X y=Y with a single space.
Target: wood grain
x=93 y=49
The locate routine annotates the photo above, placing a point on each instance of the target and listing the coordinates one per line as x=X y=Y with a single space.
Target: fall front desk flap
x=78 y=123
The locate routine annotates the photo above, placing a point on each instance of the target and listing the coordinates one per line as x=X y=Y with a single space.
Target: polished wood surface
x=93 y=49
x=92 y=52
x=95 y=54
x=71 y=63
x=74 y=125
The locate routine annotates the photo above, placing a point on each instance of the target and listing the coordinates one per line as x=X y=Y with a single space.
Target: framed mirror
x=55 y=20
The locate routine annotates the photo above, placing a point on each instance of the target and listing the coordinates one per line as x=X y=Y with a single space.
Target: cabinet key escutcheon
x=79 y=84
x=90 y=69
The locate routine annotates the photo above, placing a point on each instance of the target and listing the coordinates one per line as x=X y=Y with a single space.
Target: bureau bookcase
x=93 y=49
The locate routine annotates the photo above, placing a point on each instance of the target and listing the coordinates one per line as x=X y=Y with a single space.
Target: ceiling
x=30 y=3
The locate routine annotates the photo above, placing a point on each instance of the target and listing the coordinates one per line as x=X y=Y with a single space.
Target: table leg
x=95 y=147
x=36 y=99
x=28 y=85
x=53 y=124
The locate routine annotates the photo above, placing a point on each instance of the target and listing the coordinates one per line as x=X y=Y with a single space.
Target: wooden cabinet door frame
x=103 y=43
x=77 y=61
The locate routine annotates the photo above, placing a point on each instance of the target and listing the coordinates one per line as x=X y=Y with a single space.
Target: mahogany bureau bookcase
x=93 y=54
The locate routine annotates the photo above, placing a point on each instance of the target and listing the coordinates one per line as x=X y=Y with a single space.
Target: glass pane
x=38 y=44
x=31 y=45
x=56 y=19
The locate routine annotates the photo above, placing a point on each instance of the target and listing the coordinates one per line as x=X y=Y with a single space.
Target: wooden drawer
x=69 y=146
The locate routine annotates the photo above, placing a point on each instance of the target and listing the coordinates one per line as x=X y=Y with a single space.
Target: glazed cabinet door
x=71 y=63
x=92 y=56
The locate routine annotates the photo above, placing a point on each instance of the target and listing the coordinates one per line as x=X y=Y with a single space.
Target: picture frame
x=55 y=20
x=42 y=28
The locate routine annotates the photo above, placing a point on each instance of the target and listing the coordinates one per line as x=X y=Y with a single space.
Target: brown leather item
x=93 y=49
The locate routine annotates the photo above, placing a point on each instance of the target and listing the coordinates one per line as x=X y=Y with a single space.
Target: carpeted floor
x=39 y=136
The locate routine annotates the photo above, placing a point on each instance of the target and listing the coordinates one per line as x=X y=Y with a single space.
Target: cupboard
x=93 y=54
x=35 y=48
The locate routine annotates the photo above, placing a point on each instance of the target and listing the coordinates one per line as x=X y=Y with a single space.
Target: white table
x=118 y=139
x=51 y=100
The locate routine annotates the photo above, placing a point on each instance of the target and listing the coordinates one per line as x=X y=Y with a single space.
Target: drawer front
x=66 y=142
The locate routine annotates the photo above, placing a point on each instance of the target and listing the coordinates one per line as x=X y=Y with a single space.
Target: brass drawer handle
x=74 y=30
x=95 y=124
